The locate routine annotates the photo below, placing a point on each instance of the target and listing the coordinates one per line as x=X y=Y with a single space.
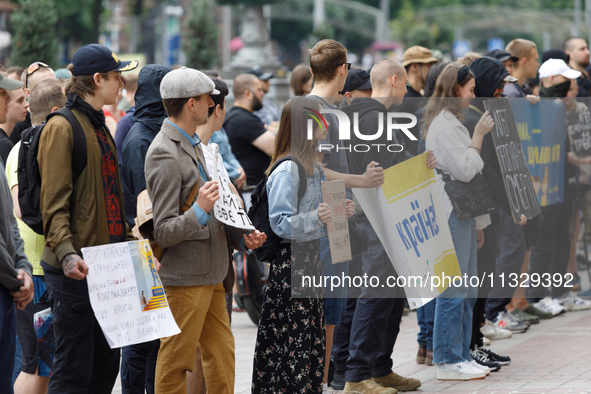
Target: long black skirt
x=290 y=346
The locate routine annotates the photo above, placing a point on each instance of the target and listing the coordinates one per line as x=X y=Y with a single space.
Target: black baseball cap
x=96 y=58
x=501 y=55
x=357 y=79
x=260 y=73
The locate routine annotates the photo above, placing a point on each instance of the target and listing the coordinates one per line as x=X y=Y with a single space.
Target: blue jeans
x=426 y=317
x=7 y=339
x=453 y=312
x=335 y=300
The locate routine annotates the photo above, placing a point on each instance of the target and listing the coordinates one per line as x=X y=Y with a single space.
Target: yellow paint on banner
x=446 y=265
x=414 y=172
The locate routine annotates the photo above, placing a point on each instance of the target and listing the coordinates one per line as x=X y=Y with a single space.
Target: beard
x=256 y=103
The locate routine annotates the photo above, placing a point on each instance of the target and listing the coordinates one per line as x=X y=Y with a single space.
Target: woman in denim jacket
x=290 y=346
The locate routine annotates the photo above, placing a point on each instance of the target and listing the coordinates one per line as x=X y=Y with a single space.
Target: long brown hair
x=447 y=90
x=292 y=137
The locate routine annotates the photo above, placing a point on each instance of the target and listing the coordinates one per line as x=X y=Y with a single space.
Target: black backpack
x=259 y=211
x=29 y=178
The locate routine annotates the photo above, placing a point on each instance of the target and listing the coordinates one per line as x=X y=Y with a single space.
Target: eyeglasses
x=31 y=69
x=348 y=65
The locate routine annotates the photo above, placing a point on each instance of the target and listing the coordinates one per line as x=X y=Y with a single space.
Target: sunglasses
x=31 y=69
x=347 y=63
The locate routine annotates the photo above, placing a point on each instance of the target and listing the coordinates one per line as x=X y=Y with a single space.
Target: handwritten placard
x=126 y=293
x=512 y=161
x=227 y=208
x=578 y=125
x=333 y=193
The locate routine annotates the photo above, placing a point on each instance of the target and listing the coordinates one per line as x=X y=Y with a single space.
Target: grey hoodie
x=12 y=253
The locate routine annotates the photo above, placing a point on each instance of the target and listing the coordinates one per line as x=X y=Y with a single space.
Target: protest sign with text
x=126 y=293
x=227 y=208
x=512 y=161
x=578 y=125
x=542 y=130
x=333 y=193
x=407 y=214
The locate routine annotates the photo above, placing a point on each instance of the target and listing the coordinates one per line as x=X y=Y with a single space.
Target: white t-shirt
x=208 y=152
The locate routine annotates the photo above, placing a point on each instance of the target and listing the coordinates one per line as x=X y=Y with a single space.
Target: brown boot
x=398 y=382
x=429 y=357
x=367 y=387
x=421 y=353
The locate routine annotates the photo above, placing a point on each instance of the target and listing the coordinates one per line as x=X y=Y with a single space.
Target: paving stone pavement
x=551 y=357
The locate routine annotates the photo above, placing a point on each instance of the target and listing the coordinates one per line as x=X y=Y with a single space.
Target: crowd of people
x=167 y=130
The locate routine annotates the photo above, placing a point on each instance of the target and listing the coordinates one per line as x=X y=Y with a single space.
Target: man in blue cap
x=81 y=209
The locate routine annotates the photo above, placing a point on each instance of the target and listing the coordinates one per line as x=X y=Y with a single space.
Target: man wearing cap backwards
x=505 y=58
x=195 y=262
x=16 y=283
x=81 y=213
x=417 y=61
x=552 y=252
x=357 y=84
x=270 y=113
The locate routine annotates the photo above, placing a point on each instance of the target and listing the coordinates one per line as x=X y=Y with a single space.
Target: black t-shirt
x=243 y=128
x=412 y=102
x=5 y=146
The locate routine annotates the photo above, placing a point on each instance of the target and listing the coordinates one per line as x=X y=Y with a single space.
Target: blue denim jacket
x=287 y=221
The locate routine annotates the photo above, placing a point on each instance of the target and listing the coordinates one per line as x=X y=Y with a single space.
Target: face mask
x=559 y=90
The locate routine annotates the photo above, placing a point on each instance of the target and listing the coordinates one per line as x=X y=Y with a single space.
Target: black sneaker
x=492 y=356
x=338 y=381
x=483 y=359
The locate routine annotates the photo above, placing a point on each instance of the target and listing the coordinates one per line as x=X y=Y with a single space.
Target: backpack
x=29 y=178
x=259 y=211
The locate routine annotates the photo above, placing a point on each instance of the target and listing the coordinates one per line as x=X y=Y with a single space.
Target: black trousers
x=487 y=256
x=83 y=361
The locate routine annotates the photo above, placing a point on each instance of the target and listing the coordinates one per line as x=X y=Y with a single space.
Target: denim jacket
x=287 y=221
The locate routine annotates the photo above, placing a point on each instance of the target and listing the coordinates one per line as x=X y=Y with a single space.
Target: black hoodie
x=368 y=110
x=148 y=117
x=489 y=73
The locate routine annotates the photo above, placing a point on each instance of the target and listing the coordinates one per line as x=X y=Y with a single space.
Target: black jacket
x=489 y=75
x=148 y=117
x=368 y=110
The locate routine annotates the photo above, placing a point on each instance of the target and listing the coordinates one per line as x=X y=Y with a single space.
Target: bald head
x=382 y=72
x=242 y=83
x=37 y=76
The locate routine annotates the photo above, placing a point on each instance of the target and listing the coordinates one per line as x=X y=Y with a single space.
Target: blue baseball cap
x=96 y=58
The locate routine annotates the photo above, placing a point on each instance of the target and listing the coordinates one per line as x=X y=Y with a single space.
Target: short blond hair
x=468 y=58
x=520 y=47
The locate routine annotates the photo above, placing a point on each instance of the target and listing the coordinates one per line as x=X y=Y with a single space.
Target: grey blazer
x=195 y=255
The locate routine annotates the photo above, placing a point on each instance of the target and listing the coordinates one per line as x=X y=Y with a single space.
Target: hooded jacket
x=369 y=110
x=489 y=73
x=148 y=117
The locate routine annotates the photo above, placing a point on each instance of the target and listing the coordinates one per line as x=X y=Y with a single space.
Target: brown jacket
x=195 y=255
x=73 y=216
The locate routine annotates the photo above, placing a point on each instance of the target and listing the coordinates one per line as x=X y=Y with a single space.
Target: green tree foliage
x=200 y=38
x=34 y=38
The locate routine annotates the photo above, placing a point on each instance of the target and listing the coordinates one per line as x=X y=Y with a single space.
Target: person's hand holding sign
x=374 y=175
x=350 y=208
x=208 y=195
x=324 y=213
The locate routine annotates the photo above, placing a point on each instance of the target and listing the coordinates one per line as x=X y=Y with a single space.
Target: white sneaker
x=490 y=331
x=483 y=368
x=573 y=303
x=459 y=371
x=549 y=305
